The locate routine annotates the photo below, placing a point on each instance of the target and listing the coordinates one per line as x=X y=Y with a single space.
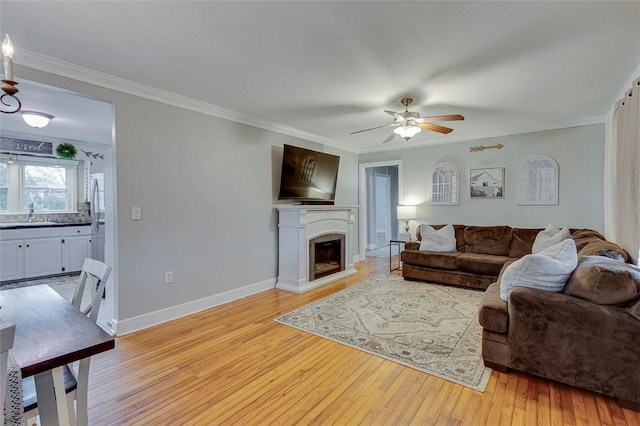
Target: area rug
x=432 y=328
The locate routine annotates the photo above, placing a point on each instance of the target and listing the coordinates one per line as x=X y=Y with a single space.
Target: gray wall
x=207 y=189
x=579 y=152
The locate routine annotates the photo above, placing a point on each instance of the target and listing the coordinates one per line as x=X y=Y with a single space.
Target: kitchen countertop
x=19 y=225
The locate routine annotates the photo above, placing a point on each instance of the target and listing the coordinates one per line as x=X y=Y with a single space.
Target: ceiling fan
x=409 y=123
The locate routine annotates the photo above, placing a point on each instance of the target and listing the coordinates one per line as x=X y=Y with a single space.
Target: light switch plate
x=136 y=213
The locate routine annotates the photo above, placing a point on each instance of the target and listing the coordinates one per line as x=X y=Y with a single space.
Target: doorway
x=379 y=195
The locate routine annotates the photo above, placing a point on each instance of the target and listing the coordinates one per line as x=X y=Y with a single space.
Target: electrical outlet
x=168 y=277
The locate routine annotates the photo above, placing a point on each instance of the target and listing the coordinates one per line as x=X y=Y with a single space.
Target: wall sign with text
x=26 y=146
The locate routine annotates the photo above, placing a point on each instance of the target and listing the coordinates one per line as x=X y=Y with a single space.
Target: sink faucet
x=31 y=215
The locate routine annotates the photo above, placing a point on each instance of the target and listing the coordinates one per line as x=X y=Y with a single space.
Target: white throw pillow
x=548 y=270
x=551 y=236
x=442 y=240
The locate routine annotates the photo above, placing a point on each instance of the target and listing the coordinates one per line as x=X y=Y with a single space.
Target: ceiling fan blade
x=392 y=113
x=391 y=136
x=374 y=128
x=452 y=117
x=435 y=128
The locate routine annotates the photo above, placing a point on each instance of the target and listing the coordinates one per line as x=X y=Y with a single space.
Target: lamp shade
x=36 y=119
x=407 y=212
x=407 y=132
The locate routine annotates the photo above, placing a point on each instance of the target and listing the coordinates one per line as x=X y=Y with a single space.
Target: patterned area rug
x=432 y=328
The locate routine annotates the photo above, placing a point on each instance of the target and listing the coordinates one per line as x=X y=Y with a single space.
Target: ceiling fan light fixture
x=36 y=119
x=407 y=132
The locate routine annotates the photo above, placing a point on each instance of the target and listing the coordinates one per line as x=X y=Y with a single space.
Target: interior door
x=382 y=209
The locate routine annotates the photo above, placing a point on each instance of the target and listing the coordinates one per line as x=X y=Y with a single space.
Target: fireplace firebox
x=326 y=255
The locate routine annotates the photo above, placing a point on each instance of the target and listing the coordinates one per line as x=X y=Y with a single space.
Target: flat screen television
x=308 y=176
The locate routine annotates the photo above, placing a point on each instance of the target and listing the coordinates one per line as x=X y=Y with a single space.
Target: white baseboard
x=150 y=319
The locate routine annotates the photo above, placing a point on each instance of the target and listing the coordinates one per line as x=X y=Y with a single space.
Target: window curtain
x=627 y=172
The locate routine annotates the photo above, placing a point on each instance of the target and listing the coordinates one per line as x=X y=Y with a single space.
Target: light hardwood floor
x=235 y=365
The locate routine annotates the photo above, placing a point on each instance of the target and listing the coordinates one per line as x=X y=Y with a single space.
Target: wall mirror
x=539 y=181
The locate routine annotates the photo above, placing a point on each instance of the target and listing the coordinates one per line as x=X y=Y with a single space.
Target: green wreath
x=66 y=151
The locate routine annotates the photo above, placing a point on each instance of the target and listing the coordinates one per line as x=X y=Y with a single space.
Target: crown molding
x=90 y=76
x=87 y=75
x=494 y=133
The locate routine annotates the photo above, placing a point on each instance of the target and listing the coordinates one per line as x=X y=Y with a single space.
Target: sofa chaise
x=587 y=335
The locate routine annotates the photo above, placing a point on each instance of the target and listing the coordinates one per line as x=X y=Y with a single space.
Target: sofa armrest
x=575 y=341
x=412 y=245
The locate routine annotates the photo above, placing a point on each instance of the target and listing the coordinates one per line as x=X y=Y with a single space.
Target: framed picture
x=487 y=183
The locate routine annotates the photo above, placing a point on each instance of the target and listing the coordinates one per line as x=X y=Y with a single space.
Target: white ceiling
x=326 y=69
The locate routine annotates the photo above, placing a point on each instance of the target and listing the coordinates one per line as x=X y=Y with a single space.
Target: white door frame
x=387 y=195
x=363 y=198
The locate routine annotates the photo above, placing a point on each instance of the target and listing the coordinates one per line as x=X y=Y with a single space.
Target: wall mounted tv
x=308 y=176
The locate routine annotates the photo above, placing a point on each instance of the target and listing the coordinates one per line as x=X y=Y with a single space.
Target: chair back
x=94 y=274
x=7 y=333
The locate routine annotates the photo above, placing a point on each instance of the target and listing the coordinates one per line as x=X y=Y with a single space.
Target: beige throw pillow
x=442 y=240
x=548 y=270
x=551 y=236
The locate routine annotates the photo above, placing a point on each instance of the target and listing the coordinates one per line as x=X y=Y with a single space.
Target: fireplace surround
x=315 y=245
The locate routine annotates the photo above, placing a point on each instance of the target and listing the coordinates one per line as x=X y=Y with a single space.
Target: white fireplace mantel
x=297 y=225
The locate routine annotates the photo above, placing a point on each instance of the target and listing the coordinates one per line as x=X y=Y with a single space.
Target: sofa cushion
x=522 y=242
x=442 y=240
x=446 y=261
x=481 y=264
x=604 y=281
x=493 y=314
x=488 y=239
x=548 y=270
x=585 y=233
x=596 y=248
x=459 y=235
x=551 y=236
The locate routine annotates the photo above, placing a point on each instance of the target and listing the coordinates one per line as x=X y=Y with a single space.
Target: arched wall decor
x=445 y=185
x=539 y=181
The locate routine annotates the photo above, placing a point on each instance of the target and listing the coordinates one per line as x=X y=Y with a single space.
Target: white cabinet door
x=43 y=256
x=11 y=260
x=76 y=250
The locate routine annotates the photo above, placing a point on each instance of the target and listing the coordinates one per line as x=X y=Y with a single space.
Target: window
x=45 y=187
x=444 y=184
x=539 y=181
x=49 y=184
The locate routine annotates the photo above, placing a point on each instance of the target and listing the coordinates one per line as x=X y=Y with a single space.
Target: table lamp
x=407 y=213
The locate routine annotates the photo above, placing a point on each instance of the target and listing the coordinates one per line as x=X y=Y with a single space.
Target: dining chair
x=7 y=333
x=94 y=276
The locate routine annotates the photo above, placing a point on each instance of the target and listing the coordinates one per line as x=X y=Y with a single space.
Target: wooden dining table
x=50 y=333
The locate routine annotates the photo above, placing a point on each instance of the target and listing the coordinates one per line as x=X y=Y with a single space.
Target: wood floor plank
x=235 y=365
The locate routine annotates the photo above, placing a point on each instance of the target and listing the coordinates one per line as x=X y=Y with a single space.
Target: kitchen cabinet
x=76 y=247
x=38 y=252
x=11 y=260
x=42 y=256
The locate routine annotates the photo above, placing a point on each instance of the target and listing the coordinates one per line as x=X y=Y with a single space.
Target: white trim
x=151 y=319
x=87 y=75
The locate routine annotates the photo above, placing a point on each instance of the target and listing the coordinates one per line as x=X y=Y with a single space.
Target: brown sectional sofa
x=587 y=336
x=482 y=251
